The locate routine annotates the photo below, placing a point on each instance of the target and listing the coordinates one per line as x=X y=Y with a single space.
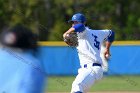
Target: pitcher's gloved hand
x=71 y=39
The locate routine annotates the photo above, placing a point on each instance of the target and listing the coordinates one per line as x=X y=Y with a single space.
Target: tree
x=48 y=18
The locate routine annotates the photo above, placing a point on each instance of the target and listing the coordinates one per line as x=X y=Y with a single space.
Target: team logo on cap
x=74 y=17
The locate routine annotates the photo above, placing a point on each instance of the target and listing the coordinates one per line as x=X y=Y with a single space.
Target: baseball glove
x=71 y=39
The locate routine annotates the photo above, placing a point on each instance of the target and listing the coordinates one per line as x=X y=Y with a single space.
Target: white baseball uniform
x=89 y=52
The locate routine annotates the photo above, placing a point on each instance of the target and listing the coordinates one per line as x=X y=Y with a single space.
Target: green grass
x=108 y=83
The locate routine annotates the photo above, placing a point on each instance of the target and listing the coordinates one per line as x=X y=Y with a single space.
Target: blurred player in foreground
x=89 y=46
x=20 y=71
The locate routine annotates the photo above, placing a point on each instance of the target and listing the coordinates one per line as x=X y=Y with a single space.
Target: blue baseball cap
x=78 y=17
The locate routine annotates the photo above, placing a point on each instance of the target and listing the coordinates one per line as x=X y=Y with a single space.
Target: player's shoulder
x=97 y=31
x=100 y=31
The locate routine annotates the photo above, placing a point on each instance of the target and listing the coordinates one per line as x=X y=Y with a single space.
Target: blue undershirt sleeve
x=111 y=36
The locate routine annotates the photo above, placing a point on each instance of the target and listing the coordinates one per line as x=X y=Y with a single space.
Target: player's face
x=75 y=22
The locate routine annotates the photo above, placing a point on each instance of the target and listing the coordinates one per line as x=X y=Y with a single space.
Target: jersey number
x=96 y=43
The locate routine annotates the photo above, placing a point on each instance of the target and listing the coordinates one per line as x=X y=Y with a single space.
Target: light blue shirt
x=20 y=72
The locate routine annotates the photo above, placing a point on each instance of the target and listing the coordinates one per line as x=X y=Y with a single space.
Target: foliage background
x=48 y=18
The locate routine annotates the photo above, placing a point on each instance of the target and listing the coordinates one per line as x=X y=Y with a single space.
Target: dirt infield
x=102 y=92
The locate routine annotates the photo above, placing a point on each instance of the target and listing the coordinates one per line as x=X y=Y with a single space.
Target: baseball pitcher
x=88 y=44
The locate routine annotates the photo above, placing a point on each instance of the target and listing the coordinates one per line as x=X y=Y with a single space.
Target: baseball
x=107 y=56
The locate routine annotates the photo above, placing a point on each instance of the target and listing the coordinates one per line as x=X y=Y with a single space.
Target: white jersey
x=90 y=45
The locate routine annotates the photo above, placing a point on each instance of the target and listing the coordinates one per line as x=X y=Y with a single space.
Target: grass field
x=108 y=83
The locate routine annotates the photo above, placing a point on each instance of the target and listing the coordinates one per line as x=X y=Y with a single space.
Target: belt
x=94 y=64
